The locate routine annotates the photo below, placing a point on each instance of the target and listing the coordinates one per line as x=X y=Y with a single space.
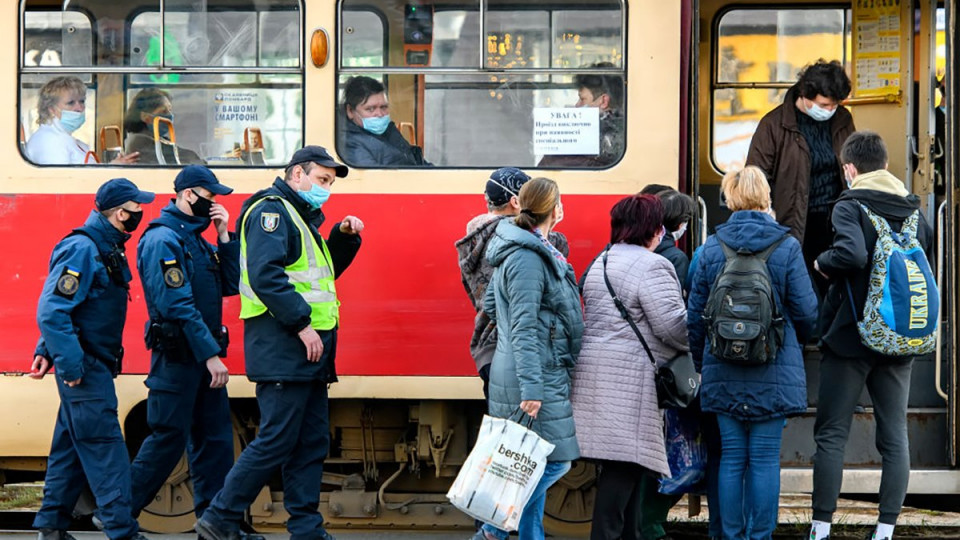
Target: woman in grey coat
x=534 y=300
x=614 y=396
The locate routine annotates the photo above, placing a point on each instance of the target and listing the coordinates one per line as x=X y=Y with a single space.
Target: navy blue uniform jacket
x=82 y=310
x=185 y=277
x=272 y=348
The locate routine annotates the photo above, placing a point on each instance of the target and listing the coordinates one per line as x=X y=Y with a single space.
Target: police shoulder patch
x=269 y=221
x=68 y=283
x=172 y=273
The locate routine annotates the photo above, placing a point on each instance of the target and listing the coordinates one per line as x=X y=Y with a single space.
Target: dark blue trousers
x=294 y=437
x=87 y=448
x=183 y=412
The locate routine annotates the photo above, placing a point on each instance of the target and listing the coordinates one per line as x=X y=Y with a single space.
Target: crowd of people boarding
x=580 y=357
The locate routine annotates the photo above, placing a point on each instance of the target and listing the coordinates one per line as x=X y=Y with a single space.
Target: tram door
x=750 y=53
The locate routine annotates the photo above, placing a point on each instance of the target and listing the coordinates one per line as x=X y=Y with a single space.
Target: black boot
x=210 y=531
x=53 y=534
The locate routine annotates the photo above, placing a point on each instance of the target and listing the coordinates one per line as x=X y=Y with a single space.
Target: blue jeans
x=531 y=520
x=749 y=477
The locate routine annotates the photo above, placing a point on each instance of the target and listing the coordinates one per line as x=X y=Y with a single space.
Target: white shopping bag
x=500 y=473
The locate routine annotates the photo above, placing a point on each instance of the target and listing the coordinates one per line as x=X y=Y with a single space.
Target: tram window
x=57 y=38
x=363 y=39
x=252 y=75
x=758 y=54
x=428 y=107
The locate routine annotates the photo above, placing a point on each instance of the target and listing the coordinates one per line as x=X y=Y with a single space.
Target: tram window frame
x=260 y=75
x=846 y=36
x=549 y=74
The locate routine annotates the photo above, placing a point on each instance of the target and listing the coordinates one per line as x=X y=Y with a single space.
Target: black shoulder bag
x=678 y=384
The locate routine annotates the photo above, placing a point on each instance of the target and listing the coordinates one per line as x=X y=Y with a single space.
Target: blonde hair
x=49 y=96
x=537 y=198
x=746 y=189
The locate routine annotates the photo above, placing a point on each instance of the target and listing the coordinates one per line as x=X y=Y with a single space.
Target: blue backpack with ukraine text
x=902 y=308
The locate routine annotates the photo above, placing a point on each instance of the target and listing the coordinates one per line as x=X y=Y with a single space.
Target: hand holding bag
x=499 y=476
x=678 y=383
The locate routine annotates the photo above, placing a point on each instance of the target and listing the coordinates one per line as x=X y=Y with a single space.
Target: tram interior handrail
x=938 y=353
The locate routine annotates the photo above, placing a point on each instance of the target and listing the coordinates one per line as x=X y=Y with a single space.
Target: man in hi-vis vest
x=290 y=312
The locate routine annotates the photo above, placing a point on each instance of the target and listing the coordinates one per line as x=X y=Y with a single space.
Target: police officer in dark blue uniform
x=184 y=281
x=81 y=315
x=290 y=314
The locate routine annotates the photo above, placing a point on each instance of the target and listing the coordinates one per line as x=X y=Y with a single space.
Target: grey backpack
x=743 y=322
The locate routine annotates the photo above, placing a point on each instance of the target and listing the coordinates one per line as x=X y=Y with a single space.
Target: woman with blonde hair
x=534 y=300
x=61 y=110
x=752 y=401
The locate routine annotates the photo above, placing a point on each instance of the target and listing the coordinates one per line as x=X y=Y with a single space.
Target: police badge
x=172 y=273
x=68 y=283
x=269 y=221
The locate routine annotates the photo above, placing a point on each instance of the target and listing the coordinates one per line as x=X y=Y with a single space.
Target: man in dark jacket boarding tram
x=290 y=310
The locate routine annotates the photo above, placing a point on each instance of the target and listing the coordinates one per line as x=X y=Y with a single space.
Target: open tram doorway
x=747 y=54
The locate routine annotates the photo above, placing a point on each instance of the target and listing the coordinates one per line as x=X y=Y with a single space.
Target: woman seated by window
x=369 y=138
x=138 y=125
x=61 y=107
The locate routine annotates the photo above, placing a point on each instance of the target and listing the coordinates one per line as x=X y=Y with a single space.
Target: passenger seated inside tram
x=61 y=108
x=138 y=124
x=604 y=92
x=369 y=138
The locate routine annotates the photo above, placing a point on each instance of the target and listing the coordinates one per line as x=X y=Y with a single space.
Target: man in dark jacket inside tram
x=368 y=137
x=799 y=154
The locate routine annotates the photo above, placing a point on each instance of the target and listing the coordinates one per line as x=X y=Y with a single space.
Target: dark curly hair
x=824 y=78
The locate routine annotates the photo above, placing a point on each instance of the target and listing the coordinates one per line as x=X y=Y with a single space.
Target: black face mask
x=133 y=221
x=201 y=207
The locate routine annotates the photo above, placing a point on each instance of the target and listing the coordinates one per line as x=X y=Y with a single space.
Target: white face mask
x=678 y=234
x=818 y=113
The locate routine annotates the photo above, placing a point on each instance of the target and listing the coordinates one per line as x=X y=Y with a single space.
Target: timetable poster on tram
x=876 y=45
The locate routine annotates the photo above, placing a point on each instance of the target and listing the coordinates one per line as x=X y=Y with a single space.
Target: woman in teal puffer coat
x=533 y=296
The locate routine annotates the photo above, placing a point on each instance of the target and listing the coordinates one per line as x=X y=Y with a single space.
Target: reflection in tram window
x=251 y=78
x=453 y=112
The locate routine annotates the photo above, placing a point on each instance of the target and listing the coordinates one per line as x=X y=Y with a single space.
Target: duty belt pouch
x=224 y=341
x=168 y=337
x=118 y=362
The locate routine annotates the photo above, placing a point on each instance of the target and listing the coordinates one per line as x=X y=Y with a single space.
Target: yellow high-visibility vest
x=311 y=275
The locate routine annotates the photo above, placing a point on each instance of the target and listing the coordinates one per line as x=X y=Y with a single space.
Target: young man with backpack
x=880 y=311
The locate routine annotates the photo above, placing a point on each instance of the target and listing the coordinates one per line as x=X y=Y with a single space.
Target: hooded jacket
x=780 y=150
x=533 y=298
x=476 y=272
x=849 y=257
x=777 y=388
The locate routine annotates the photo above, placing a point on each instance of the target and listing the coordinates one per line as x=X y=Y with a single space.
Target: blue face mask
x=316 y=196
x=71 y=121
x=376 y=124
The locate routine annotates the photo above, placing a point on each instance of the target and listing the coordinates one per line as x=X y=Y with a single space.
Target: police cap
x=318 y=155
x=199 y=176
x=116 y=192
